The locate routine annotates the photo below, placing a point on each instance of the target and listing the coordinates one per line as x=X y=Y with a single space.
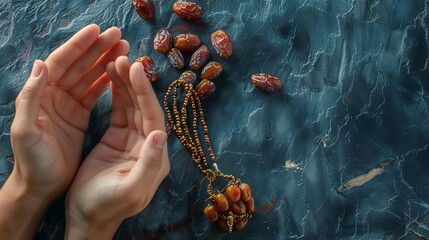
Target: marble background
x=353 y=108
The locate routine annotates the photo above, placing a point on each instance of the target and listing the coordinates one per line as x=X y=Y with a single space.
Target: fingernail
x=160 y=140
x=37 y=69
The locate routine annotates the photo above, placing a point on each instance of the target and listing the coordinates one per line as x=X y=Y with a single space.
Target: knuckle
x=80 y=68
x=26 y=92
x=152 y=161
x=58 y=61
x=149 y=117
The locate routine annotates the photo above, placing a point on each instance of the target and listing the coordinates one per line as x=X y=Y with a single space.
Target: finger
x=31 y=95
x=105 y=41
x=122 y=90
x=119 y=111
x=123 y=68
x=97 y=89
x=163 y=172
x=63 y=57
x=153 y=116
x=120 y=86
x=148 y=166
x=80 y=87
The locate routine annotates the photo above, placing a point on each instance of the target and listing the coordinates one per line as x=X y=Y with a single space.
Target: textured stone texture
x=356 y=81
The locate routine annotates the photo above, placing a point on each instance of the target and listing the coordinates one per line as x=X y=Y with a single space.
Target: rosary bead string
x=190 y=139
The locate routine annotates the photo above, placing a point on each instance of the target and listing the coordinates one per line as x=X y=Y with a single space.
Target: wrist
x=82 y=230
x=16 y=190
x=25 y=184
x=20 y=211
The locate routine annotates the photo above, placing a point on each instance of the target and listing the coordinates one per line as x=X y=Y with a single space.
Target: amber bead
x=238 y=207
x=211 y=70
x=220 y=202
x=233 y=193
x=223 y=224
x=211 y=213
x=246 y=192
x=250 y=205
x=240 y=224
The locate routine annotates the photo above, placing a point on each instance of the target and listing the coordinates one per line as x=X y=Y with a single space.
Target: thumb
x=29 y=99
x=147 y=167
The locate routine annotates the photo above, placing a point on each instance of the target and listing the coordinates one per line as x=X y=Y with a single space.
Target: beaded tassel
x=232 y=210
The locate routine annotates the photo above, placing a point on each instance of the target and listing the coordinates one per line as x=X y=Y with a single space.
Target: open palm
x=121 y=174
x=52 y=110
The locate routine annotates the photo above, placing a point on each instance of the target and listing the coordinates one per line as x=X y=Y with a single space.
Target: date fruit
x=205 y=88
x=222 y=43
x=163 y=41
x=188 y=77
x=188 y=10
x=199 y=58
x=144 y=8
x=187 y=42
x=175 y=58
x=149 y=68
x=211 y=70
x=266 y=82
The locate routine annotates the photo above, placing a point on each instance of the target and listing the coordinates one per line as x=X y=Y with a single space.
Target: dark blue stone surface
x=356 y=82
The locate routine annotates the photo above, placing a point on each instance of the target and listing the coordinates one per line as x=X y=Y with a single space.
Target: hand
x=52 y=110
x=120 y=176
x=52 y=113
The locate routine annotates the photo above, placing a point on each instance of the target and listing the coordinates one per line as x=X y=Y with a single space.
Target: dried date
x=188 y=10
x=188 y=77
x=144 y=9
x=176 y=59
x=267 y=82
x=199 y=58
x=222 y=43
x=149 y=68
x=187 y=42
x=163 y=41
x=205 y=88
x=211 y=70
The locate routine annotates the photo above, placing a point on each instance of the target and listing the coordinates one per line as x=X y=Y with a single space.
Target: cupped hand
x=53 y=108
x=120 y=176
